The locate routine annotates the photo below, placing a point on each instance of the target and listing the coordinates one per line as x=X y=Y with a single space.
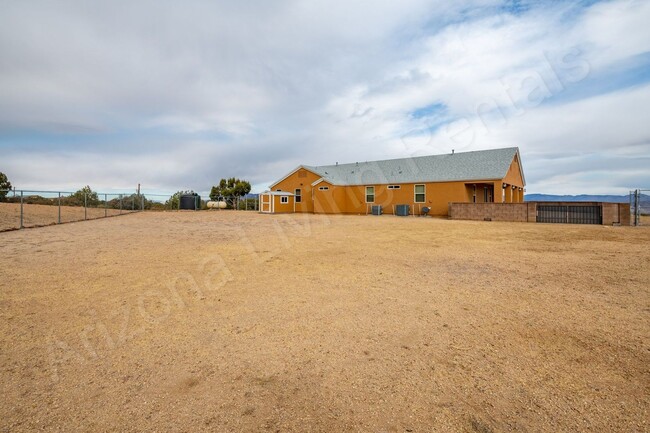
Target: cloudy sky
x=176 y=95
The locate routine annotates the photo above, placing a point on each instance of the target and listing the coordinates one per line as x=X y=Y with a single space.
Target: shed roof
x=462 y=166
x=282 y=193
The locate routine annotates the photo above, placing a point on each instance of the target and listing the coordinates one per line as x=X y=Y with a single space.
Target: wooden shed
x=277 y=202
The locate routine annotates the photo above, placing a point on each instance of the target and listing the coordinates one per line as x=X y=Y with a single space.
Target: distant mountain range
x=583 y=197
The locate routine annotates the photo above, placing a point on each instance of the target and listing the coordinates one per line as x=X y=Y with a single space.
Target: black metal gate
x=566 y=214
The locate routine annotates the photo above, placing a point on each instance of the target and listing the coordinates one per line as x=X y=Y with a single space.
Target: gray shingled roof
x=465 y=166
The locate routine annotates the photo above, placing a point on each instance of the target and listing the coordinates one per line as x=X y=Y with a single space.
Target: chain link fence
x=31 y=208
x=640 y=207
x=249 y=202
x=37 y=208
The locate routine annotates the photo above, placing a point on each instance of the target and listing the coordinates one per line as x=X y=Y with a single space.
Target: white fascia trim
x=289 y=174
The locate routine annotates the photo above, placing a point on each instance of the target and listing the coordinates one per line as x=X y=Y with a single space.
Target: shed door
x=567 y=214
x=265 y=203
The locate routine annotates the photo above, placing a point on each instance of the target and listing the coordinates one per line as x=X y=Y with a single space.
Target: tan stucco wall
x=513 y=177
x=332 y=201
x=283 y=207
x=352 y=200
x=300 y=179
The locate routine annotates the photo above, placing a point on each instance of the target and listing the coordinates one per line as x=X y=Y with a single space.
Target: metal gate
x=565 y=214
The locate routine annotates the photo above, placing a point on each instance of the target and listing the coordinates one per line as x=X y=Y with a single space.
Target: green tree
x=174 y=200
x=5 y=186
x=230 y=189
x=84 y=196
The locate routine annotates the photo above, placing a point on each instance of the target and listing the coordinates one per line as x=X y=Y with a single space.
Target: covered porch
x=493 y=192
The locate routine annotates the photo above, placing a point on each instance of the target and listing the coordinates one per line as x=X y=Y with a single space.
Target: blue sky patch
x=429 y=110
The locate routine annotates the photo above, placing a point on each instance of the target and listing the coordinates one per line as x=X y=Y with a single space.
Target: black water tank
x=190 y=202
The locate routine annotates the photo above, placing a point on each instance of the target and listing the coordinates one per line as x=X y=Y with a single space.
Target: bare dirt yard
x=37 y=215
x=234 y=321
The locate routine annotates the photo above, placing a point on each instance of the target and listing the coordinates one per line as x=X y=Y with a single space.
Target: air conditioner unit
x=402 y=210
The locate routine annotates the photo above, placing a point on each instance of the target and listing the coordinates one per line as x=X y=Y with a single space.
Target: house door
x=487 y=195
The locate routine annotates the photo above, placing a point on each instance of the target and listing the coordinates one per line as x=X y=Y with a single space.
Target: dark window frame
x=423 y=193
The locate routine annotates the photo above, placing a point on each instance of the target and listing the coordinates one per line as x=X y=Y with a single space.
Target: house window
x=284 y=199
x=474 y=196
x=420 y=195
x=486 y=195
x=298 y=195
x=370 y=194
x=323 y=188
x=394 y=186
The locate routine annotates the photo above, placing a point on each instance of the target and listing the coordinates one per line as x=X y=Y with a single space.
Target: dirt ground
x=36 y=215
x=235 y=321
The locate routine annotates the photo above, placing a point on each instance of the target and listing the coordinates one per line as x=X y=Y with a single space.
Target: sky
x=177 y=95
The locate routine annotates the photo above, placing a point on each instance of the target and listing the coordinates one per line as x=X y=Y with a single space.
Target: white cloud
x=254 y=89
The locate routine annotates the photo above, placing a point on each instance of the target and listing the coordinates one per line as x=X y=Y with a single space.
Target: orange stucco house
x=430 y=182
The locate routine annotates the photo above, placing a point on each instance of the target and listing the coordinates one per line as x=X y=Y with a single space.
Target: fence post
x=21 y=209
x=120 y=204
x=85 y=206
x=637 y=207
x=105 y=205
x=633 y=206
x=59 y=208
